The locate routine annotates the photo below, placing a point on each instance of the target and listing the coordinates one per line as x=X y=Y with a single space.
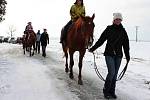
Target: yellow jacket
x=76 y=11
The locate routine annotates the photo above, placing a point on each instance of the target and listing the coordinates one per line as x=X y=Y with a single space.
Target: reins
x=101 y=77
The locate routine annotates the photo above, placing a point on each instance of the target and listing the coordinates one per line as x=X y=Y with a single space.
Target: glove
x=91 y=50
x=128 y=59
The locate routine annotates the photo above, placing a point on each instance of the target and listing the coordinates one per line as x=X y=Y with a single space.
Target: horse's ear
x=93 y=16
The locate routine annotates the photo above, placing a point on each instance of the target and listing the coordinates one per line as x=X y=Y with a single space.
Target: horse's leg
x=66 y=55
x=24 y=49
x=30 y=51
x=80 y=66
x=33 y=49
x=66 y=69
x=36 y=46
x=71 y=64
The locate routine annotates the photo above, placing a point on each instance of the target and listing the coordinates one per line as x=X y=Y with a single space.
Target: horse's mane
x=78 y=23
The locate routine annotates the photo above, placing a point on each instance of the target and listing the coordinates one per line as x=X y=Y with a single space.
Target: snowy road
x=26 y=78
x=37 y=78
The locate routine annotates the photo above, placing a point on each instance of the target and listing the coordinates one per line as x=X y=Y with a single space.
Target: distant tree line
x=3 y=4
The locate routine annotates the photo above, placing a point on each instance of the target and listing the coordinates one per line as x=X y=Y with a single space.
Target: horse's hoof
x=80 y=82
x=66 y=70
x=71 y=76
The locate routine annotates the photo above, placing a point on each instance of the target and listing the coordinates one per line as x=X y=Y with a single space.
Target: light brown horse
x=29 y=40
x=80 y=36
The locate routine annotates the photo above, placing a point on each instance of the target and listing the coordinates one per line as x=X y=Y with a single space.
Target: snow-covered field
x=37 y=78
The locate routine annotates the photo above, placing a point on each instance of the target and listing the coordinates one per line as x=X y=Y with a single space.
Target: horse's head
x=88 y=28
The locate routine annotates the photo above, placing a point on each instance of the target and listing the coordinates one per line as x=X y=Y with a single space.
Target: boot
x=113 y=95
x=106 y=89
x=107 y=95
x=112 y=90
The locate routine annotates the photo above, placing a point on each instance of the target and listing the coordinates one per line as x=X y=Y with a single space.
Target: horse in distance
x=29 y=41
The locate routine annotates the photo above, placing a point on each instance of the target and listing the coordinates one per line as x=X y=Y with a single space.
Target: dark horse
x=28 y=42
x=80 y=36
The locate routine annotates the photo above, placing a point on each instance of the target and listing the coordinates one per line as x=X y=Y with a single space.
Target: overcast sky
x=54 y=14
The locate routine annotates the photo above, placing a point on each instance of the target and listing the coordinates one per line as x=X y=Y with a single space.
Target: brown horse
x=80 y=36
x=29 y=40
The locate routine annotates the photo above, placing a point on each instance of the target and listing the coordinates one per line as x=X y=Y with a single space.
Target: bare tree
x=3 y=4
x=11 y=31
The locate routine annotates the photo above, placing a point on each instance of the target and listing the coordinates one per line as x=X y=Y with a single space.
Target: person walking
x=116 y=37
x=44 y=41
x=38 y=36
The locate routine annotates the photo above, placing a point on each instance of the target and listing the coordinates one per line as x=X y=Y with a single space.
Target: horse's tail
x=62 y=33
x=65 y=50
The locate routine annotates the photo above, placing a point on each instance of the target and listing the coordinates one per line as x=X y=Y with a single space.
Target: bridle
x=84 y=27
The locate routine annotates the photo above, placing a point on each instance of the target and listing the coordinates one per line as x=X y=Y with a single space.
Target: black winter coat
x=117 y=38
x=44 y=39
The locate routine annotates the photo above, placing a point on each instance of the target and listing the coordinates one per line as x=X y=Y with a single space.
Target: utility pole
x=136 y=29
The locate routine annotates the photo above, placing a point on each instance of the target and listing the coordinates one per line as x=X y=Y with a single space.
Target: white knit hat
x=117 y=15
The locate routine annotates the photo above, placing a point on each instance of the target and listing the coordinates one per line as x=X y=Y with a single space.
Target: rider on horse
x=28 y=29
x=77 y=10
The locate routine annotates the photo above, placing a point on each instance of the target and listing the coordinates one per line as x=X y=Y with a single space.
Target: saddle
x=64 y=32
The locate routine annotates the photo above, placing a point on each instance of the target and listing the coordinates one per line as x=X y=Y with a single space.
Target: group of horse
x=79 y=38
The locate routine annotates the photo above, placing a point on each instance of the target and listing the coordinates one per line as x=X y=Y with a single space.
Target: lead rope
x=123 y=72
x=101 y=77
x=96 y=69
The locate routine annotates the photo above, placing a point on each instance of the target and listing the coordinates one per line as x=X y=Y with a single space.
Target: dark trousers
x=38 y=46
x=113 y=65
x=64 y=32
x=43 y=50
